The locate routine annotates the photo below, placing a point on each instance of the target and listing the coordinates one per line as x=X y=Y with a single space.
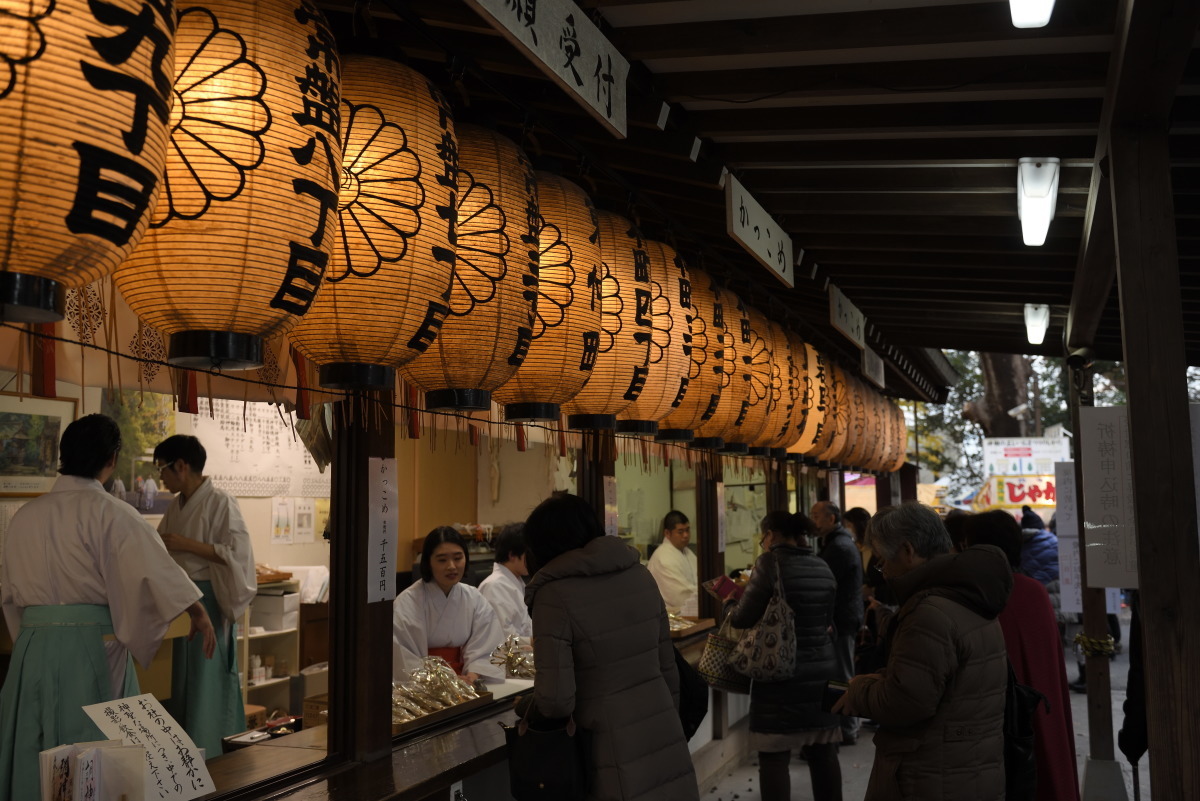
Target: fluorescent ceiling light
x=1030 y=13
x=1037 y=193
x=1037 y=320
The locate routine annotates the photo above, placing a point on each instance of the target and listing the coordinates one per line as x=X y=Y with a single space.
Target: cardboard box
x=312 y=709
x=275 y=622
x=276 y=612
x=255 y=716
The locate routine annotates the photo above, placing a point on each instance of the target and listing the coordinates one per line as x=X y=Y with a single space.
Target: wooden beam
x=998 y=179
x=1096 y=266
x=983 y=150
x=930 y=243
x=918 y=203
x=925 y=225
x=1164 y=487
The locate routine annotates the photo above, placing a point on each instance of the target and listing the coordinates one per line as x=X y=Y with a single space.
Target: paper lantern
x=566 y=324
x=241 y=238
x=666 y=382
x=839 y=414
x=706 y=373
x=859 y=423
x=85 y=90
x=626 y=326
x=756 y=369
x=729 y=319
x=385 y=294
x=821 y=422
x=486 y=336
x=789 y=355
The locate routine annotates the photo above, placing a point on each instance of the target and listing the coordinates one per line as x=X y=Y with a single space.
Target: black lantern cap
x=779 y=453
x=28 y=298
x=643 y=428
x=592 y=422
x=708 y=443
x=531 y=412
x=675 y=435
x=210 y=350
x=357 y=375
x=758 y=450
x=463 y=400
x=735 y=449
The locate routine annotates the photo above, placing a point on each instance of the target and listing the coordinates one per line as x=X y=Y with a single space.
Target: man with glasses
x=204 y=530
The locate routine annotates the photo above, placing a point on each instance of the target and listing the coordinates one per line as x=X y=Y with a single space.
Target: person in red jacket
x=1035 y=650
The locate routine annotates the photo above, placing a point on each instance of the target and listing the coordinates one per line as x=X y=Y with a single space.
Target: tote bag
x=767 y=651
x=547 y=764
x=714 y=662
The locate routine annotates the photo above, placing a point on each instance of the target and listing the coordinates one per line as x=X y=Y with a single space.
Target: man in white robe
x=505 y=587
x=85 y=583
x=674 y=566
x=424 y=616
x=204 y=530
x=149 y=494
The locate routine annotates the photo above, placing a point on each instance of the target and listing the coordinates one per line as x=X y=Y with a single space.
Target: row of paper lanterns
x=241 y=181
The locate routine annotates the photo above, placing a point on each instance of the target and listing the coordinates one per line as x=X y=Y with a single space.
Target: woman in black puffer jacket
x=786 y=715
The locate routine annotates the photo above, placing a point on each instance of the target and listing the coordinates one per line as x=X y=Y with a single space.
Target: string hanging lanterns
x=565 y=337
x=85 y=92
x=625 y=329
x=666 y=381
x=241 y=238
x=706 y=373
x=387 y=288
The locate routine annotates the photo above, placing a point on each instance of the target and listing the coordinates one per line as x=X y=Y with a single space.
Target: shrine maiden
x=505 y=587
x=85 y=583
x=441 y=616
x=205 y=533
x=674 y=566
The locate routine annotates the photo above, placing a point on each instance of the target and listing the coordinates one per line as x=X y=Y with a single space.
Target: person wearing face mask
x=441 y=616
x=505 y=587
x=673 y=565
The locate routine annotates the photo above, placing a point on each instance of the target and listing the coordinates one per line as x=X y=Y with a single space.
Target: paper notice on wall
x=720 y=517
x=305 y=524
x=383 y=523
x=610 y=505
x=1066 y=524
x=1109 y=529
x=176 y=768
x=283 y=513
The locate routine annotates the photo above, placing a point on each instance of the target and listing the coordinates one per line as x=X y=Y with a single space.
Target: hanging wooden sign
x=872 y=367
x=758 y=232
x=846 y=317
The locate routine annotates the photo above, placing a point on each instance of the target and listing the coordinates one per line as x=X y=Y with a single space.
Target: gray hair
x=914 y=523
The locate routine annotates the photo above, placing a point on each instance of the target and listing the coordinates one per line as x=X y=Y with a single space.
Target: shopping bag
x=547 y=764
x=714 y=662
x=767 y=650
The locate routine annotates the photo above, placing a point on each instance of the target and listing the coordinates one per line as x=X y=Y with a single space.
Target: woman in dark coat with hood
x=603 y=651
x=786 y=715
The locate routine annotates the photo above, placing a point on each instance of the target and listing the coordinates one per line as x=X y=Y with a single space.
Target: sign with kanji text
x=846 y=317
x=872 y=367
x=1109 y=529
x=1013 y=492
x=758 y=232
x=560 y=38
x=383 y=520
x=1024 y=456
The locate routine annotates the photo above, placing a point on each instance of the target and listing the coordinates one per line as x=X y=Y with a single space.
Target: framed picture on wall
x=30 y=429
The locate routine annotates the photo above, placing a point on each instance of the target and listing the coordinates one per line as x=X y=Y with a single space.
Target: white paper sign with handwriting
x=176 y=770
x=758 y=232
x=846 y=317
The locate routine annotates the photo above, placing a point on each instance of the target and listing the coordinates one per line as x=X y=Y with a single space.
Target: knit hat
x=1031 y=519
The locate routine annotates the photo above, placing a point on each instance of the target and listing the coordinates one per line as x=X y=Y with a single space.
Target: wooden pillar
x=710 y=498
x=907 y=476
x=887 y=490
x=776 y=473
x=1152 y=332
x=360 y=673
x=597 y=465
x=1095 y=620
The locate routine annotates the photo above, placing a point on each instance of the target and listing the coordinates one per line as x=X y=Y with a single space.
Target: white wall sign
x=1024 y=456
x=720 y=517
x=610 y=506
x=1108 y=504
x=758 y=232
x=173 y=760
x=383 y=524
x=872 y=367
x=305 y=530
x=558 y=36
x=846 y=317
x=1066 y=524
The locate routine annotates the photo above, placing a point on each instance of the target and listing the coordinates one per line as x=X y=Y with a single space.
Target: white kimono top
x=675 y=572
x=212 y=516
x=506 y=593
x=424 y=617
x=79 y=545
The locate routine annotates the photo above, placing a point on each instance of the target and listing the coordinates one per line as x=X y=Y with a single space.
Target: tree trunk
x=1005 y=387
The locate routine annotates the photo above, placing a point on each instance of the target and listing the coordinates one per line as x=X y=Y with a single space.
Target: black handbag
x=547 y=764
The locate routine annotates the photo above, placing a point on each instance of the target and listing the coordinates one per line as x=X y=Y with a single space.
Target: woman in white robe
x=441 y=616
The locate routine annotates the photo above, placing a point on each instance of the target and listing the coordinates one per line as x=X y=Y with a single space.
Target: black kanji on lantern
x=105 y=206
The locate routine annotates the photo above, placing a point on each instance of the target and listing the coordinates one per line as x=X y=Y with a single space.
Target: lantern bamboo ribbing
x=706 y=375
x=385 y=294
x=566 y=331
x=82 y=150
x=727 y=319
x=484 y=340
x=756 y=369
x=625 y=330
x=241 y=238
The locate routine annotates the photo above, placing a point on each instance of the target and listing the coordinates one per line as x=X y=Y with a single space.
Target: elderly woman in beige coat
x=604 y=655
x=940 y=700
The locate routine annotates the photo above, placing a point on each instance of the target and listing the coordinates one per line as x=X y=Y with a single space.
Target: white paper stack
x=91 y=771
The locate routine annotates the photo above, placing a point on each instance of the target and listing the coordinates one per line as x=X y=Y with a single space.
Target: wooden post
x=360 y=673
x=1160 y=435
x=887 y=490
x=597 y=462
x=709 y=497
x=907 y=477
x=775 y=471
x=1095 y=621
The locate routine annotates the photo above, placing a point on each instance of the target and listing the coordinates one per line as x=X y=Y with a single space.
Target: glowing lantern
x=565 y=339
x=241 y=238
x=85 y=89
x=790 y=357
x=384 y=296
x=707 y=373
x=729 y=320
x=757 y=369
x=625 y=329
x=666 y=381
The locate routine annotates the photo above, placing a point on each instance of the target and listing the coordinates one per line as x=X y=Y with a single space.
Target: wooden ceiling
x=882 y=134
